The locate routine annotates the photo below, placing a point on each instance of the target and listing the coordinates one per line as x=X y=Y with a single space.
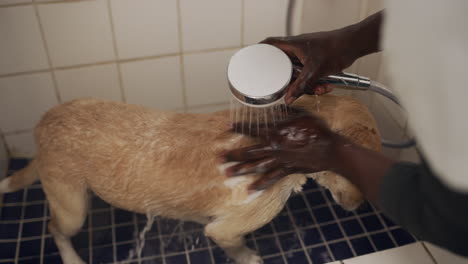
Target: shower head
x=259 y=74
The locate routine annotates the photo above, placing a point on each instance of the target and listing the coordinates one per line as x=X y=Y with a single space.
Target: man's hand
x=302 y=144
x=325 y=53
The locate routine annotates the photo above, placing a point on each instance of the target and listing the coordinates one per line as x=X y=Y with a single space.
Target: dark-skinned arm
x=327 y=52
x=409 y=193
x=363 y=167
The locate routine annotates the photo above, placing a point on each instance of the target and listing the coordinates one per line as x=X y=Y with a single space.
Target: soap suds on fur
x=252 y=197
x=234 y=181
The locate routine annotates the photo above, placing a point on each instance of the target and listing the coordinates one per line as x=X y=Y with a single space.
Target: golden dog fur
x=166 y=164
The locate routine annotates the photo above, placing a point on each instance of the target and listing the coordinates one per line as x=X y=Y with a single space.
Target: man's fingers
x=297 y=88
x=268 y=179
x=252 y=153
x=283 y=44
x=259 y=166
x=319 y=89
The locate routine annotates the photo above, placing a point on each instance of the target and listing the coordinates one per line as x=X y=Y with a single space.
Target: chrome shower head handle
x=344 y=79
x=347 y=80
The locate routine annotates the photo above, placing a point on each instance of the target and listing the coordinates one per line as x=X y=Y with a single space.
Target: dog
x=167 y=164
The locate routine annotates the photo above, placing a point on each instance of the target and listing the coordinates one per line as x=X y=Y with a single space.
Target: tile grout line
x=114 y=239
x=296 y=231
x=108 y=210
x=15 y=5
x=210 y=248
x=20 y=229
x=136 y=229
x=275 y=235
x=428 y=252
x=123 y=96
x=329 y=205
x=90 y=235
x=161 y=241
x=317 y=225
x=385 y=226
x=186 y=250
x=117 y=61
x=242 y=23
x=47 y=52
x=44 y=231
x=181 y=57
x=164 y=236
x=366 y=233
x=254 y=241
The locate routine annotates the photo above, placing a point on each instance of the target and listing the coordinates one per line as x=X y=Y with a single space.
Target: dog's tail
x=20 y=179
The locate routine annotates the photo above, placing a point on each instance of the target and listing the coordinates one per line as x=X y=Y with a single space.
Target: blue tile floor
x=311 y=229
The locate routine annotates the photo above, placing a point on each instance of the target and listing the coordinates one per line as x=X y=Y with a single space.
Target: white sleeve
x=426 y=46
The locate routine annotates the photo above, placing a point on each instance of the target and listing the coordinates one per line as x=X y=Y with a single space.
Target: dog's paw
x=350 y=201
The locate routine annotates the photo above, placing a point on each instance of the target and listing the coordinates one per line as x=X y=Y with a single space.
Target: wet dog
x=166 y=164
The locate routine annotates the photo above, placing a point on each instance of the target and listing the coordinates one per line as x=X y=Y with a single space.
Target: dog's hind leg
x=68 y=204
x=229 y=233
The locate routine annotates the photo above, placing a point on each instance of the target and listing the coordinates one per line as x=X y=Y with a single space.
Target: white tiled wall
x=166 y=54
x=77 y=32
x=101 y=81
x=22 y=47
x=154 y=83
x=210 y=24
x=264 y=21
x=207 y=84
x=154 y=31
x=23 y=99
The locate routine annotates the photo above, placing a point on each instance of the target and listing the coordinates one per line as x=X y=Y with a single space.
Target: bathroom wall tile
x=77 y=32
x=145 y=27
x=153 y=83
x=443 y=256
x=264 y=18
x=21 y=47
x=209 y=108
x=99 y=81
x=374 y=6
x=205 y=77
x=409 y=254
x=21 y=145
x=210 y=24
x=23 y=99
x=319 y=15
x=12 y=2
